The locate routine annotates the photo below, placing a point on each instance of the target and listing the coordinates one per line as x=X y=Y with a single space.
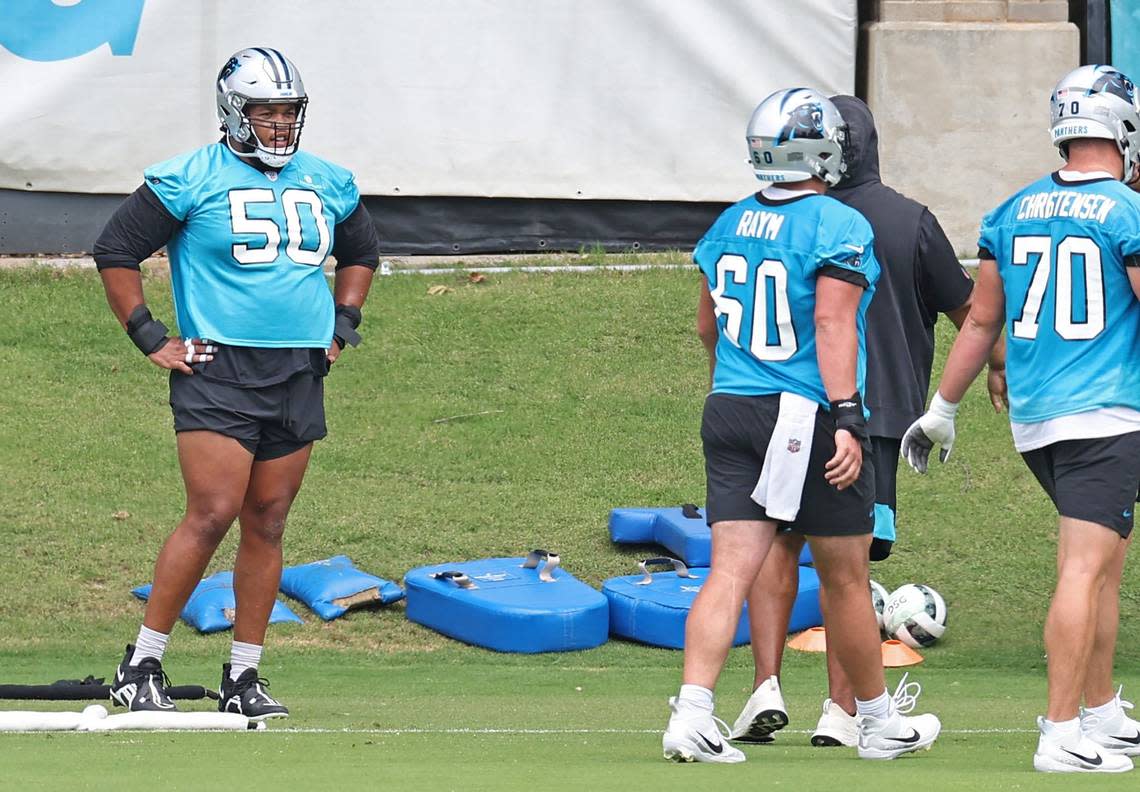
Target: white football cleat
x=898 y=733
x=835 y=728
x=1117 y=733
x=694 y=736
x=763 y=714
x=1075 y=753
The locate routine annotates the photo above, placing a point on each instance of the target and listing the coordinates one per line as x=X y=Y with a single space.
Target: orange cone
x=897 y=654
x=810 y=640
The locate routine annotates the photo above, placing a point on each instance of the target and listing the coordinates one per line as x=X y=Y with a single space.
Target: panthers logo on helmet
x=806 y=121
x=1114 y=83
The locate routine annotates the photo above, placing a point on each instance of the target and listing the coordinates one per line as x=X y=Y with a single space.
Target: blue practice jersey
x=246 y=262
x=761 y=258
x=1072 y=321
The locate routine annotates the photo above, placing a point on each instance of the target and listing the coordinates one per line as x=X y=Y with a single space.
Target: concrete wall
x=960 y=92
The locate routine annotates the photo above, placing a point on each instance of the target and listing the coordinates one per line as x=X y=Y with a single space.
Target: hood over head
x=862 y=149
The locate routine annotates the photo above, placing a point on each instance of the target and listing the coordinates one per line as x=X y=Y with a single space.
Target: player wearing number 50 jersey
x=788 y=274
x=248 y=223
x=1060 y=270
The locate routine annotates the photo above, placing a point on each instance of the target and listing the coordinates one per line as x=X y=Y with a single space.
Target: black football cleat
x=142 y=687
x=247 y=696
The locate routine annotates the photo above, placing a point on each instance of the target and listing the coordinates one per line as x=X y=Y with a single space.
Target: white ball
x=878 y=600
x=915 y=614
x=94 y=712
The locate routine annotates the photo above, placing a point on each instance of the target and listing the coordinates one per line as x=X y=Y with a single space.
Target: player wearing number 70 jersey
x=248 y=223
x=1060 y=270
x=788 y=274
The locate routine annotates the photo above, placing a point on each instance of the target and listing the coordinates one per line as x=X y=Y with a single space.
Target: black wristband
x=147 y=333
x=848 y=414
x=347 y=320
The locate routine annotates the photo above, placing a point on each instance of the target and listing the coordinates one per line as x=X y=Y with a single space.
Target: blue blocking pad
x=686 y=537
x=509 y=604
x=633 y=526
x=332 y=586
x=212 y=603
x=682 y=530
x=655 y=612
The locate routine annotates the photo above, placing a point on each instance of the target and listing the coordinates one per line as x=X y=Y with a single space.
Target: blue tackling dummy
x=332 y=586
x=212 y=601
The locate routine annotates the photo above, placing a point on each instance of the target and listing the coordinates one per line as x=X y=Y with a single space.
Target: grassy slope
x=596 y=381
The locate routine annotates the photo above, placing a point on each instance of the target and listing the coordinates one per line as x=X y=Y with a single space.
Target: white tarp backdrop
x=626 y=99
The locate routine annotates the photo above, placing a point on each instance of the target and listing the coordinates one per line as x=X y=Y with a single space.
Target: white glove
x=935 y=427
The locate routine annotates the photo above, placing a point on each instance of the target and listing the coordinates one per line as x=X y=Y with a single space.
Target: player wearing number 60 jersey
x=762 y=258
x=1060 y=270
x=248 y=223
x=788 y=274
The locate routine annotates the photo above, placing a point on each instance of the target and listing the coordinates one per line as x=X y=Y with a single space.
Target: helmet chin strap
x=266 y=158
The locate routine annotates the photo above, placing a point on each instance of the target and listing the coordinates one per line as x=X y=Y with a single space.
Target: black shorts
x=270 y=422
x=736 y=430
x=1094 y=480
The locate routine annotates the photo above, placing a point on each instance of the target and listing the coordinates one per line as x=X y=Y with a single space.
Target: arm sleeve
x=846 y=248
x=140 y=226
x=845 y=275
x=357 y=243
x=944 y=283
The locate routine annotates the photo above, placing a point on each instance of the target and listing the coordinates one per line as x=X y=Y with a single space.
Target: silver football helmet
x=794 y=134
x=259 y=75
x=1098 y=102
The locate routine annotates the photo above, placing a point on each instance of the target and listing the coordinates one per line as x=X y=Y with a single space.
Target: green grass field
x=590 y=388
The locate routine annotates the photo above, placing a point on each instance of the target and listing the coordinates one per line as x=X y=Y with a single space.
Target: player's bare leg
x=770 y=602
x=273 y=484
x=215 y=469
x=738 y=552
x=884 y=731
x=852 y=632
x=1085 y=555
x=1099 y=688
x=1105 y=720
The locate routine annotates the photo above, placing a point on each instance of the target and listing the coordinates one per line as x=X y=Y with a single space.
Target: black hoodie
x=920 y=277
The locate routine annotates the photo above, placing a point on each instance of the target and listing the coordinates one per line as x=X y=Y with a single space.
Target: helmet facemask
x=246 y=142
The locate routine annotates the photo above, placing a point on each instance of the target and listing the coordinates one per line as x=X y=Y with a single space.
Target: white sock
x=1105 y=710
x=150 y=643
x=878 y=707
x=243 y=656
x=697 y=697
x=1061 y=729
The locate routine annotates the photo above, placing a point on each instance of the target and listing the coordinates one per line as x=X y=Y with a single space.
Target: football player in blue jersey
x=248 y=223
x=788 y=274
x=920 y=278
x=1060 y=271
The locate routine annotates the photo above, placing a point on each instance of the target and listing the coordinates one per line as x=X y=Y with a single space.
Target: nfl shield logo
x=794 y=445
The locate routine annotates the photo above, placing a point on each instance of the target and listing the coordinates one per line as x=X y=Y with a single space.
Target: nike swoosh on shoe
x=1134 y=740
x=715 y=748
x=1095 y=761
x=913 y=738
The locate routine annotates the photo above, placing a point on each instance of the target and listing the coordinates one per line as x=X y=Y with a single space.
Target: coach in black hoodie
x=921 y=277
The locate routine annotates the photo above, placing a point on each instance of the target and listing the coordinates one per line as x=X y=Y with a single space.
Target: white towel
x=781 y=484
